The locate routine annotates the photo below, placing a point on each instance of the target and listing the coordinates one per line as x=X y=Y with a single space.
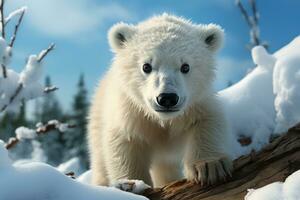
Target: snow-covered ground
x=289 y=190
x=39 y=181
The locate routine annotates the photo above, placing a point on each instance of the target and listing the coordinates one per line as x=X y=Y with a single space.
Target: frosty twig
x=13 y=38
x=50 y=89
x=252 y=22
x=2 y=18
x=4 y=71
x=40 y=130
x=12 y=98
x=18 y=90
x=45 y=52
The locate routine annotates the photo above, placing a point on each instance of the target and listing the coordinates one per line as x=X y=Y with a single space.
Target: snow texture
x=86 y=177
x=25 y=133
x=289 y=190
x=41 y=181
x=14 y=14
x=62 y=127
x=286 y=81
x=32 y=72
x=267 y=100
x=72 y=165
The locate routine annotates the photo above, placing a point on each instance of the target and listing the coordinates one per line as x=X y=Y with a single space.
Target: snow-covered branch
x=44 y=53
x=21 y=12
x=18 y=87
x=27 y=80
x=50 y=89
x=41 y=129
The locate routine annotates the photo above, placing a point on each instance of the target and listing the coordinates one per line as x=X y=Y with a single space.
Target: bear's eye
x=185 y=68
x=147 y=68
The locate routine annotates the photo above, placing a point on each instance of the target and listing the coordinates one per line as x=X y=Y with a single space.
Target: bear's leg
x=164 y=172
x=127 y=159
x=97 y=164
x=206 y=160
x=99 y=175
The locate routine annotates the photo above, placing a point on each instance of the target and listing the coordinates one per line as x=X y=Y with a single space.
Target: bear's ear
x=213 y=36
x=119 y=34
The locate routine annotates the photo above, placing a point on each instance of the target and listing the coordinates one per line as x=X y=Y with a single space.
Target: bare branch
x=13 y=97
x=254 y=11
x=252 y=22
x=4 y=71
x=244 y=13
x=50 y=89
x=11 y=142
x=13 y=38
x=2 y=18
x=45 y=52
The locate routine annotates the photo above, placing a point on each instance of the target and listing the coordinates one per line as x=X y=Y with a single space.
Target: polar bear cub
x=154 y=112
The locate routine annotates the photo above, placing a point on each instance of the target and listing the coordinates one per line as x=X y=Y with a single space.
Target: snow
x=41 y=181
x=28 y=79
x=286 y=81
x=86 y=177
x=32 y=71
x=15 y=13
x=289 y=190
x=5 y=161
x=72 y=165
x=62 y=127
x=25 y=133
x=267 y=100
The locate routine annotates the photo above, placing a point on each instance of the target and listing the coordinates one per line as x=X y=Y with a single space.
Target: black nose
x=167 y=100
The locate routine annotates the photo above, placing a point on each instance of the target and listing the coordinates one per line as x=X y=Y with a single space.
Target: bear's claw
x=211 y=170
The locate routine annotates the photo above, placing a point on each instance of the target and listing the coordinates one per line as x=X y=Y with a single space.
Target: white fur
x=127 y=137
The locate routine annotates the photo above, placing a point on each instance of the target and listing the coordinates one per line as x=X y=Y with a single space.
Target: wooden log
x=273 y=163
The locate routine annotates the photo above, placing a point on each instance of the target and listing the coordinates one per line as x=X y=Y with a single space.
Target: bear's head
x=165 y=64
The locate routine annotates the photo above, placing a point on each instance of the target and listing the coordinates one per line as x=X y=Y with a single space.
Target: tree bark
x=273 y=163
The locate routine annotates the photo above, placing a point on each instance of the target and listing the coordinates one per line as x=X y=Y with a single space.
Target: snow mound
x=267 y=100
x=41 y=181
x=286 y=81
x=289 y=190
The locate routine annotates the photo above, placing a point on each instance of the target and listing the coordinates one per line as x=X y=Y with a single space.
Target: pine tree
x=76 y=140
x=53 y=142
x=9 y=122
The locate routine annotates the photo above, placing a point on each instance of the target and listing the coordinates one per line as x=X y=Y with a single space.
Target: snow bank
x=286 y=81
x=41 y=181
x=289 y=190
x=267 y=100
x=72 y=165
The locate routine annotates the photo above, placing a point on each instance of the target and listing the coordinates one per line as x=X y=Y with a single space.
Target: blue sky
x=79 y=30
